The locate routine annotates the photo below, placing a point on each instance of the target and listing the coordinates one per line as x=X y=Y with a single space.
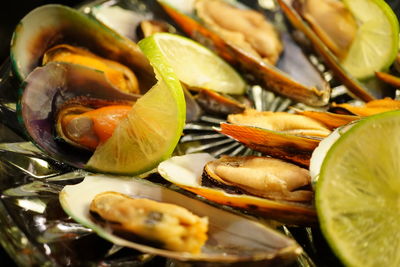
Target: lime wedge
x=358 y=193
x=375 y=45
x=152 y=128
x=198 y=67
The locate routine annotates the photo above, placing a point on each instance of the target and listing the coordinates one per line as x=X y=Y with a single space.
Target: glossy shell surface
x=50 y=25
x=46 y=89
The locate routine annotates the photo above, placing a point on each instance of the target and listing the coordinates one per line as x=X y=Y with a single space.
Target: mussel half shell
x=46 y=89
x=366 y=90
x=50 y=25
x=186 y=172
x=231 y=238
x=294 y=76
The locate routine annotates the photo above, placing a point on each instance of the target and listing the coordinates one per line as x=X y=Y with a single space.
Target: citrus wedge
x=375 y=45
x=152 y=128
x=358 y=193
x=198 y=67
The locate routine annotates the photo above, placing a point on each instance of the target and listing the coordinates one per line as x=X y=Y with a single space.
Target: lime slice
x=198 y=67
x=153 y=126
x=358 y=193
x=375 y=45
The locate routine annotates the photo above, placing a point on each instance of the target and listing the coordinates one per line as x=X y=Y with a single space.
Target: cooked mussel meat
x=282 y=135
x=260 y=176
x=293 y=206
x=86 y=123
x=169 y=215
x=280 y=121
x=170 y=225
x=245 y=28
x=119 y=75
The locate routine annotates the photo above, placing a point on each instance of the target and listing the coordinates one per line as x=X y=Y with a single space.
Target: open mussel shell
x=44 y=92
x=50 y=25
x=186 y=172
x=294 y=148
x=294 y=76
x=366 y=91
x=231 y=238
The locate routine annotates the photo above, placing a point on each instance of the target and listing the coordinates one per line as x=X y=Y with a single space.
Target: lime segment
x=376 y=43
x=358 y=193
x=153 y=126
x=198 y=67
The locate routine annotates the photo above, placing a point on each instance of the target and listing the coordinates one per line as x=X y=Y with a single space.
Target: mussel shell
x=46 y=89
x=309 y=87
x=294 y=148
x=49 y=25
x=366 y=90
x=231 y=238
x=186 y=172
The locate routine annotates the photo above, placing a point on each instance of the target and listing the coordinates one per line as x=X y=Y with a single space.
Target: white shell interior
x=318 y=156
x=185 y=169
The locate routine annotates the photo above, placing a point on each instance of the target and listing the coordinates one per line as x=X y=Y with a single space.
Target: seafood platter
x=97 y=170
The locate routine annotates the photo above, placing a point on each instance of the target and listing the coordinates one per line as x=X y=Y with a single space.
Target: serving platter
x=37 y=231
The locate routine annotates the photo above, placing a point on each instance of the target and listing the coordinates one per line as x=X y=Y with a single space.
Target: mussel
x=244 y=28
x=51 y=25
x=172 y=226
x=58 y=89
x=303 y=83
x=259 y=176
x=332 y=41
x=120 y=76
x=292 y=206
x=231 y=238
x=279 y=134
x=88 y=122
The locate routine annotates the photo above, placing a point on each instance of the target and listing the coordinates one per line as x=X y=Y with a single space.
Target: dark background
x=12 y=11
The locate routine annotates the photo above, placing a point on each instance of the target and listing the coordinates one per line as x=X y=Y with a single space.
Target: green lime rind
x=142 y=141
x=358 y=212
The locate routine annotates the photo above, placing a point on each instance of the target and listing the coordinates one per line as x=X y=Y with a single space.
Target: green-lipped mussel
x=286 y=195
x=231 y=238
x=332 y=41
x=85 y=38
